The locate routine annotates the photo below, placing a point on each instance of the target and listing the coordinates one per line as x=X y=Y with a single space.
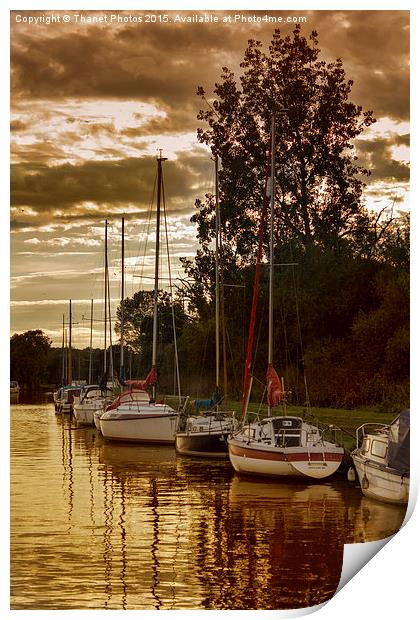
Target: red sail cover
x=133 y=386
x=275 y=392
x=136 y=384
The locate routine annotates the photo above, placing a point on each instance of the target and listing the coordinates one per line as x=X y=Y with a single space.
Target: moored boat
x=136 y=419
x=382 y=459
x=283 y=446
x=277 y=445
x=205 y=433
x=90 y=399
x=64 y=398
x=14 y=387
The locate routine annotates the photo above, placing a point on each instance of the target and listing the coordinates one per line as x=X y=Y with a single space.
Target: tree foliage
x=29 y=356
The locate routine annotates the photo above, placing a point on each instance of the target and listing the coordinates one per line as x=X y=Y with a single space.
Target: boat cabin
x=375 y=448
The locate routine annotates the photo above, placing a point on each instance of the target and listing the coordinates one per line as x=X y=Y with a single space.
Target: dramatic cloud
x=92 y=104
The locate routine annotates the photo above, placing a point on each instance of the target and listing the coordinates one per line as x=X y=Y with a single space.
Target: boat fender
x=365 y=482
x=351 y=474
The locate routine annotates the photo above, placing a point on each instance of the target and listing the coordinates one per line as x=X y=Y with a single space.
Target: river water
x=98 y=525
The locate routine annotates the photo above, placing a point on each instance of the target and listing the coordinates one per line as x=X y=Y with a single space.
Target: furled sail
x=275 y=392
x=138 y=384
x=247 y=375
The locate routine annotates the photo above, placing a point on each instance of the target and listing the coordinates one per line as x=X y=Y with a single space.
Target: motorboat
x=14 y=387
x=90 y=399
x=382 y=459
x=64 y=398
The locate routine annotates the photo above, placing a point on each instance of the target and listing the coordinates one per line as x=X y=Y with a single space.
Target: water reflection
x=119 y=526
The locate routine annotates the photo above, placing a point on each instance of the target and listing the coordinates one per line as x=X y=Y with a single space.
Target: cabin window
x=379 y=449
x=366 y=446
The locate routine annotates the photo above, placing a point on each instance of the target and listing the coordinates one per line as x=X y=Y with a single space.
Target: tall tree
x=319 y=184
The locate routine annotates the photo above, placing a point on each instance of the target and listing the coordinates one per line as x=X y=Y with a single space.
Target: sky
x=91 y=104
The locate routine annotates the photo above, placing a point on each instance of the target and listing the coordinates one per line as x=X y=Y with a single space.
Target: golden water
x=97 y=525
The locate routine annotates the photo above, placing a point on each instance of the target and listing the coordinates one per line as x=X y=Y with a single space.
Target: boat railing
x=178 y=403
x=367 y=428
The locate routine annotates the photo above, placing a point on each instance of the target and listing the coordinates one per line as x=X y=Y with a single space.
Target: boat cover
x=211 y=402
x=399 y=444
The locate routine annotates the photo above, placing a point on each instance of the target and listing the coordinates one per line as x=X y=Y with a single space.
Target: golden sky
x=92 y=100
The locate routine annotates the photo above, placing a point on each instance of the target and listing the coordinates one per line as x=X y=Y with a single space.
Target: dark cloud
x=376 y=155
x=106 y=183
x=165 y=62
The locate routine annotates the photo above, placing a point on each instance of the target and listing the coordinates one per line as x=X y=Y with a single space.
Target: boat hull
x=209 y=445
x=63 y=407
x=278 y=462
x=142 y=427
x=381 y=483
x=84 y=412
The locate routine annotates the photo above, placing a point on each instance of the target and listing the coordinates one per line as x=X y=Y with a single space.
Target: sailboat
x=94 y=397
x=277 y=445
x=64 y=397
x=205 y=435
x=134 y=415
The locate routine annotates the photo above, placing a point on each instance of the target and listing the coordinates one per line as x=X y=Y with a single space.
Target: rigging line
x=149 y=223
x=305 y=383
x=111 y=353
x=171 y=293
x=139 y=244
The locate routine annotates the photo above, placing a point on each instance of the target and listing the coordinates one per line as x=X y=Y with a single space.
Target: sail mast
x=122 y=377
x=217 y=273
x=70 y=360
x=271 y=259
x=160 y=159
x=90 y=343
x=105 y=295
x=63 y=359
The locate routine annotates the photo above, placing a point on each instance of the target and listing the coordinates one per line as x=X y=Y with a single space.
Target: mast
x=70 y=361
x=63 y=358
x=271 y=266
x=217 y=273
x=90 y=342
x=105 y=294
x=160 y=159
x=122 y=377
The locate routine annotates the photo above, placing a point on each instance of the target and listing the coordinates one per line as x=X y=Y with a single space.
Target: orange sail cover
x=137 y=384
x=275 y=392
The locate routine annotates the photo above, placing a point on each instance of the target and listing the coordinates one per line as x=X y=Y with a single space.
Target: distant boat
x=277 y=445
x=205 y=434
x=14 y=387
x=131 y=417
x=382 y=459
x=64 y=398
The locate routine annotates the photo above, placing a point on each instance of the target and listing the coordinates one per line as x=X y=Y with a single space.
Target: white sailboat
x=94 y=398
x=205 y=435
x=278 y=445
x=134 y=416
